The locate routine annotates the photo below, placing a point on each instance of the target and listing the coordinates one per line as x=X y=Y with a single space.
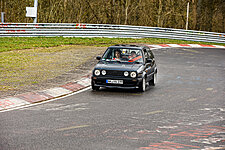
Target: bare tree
x=161 y=13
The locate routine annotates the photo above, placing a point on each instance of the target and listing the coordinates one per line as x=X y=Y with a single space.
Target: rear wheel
x=142 y=86
x=95 y=88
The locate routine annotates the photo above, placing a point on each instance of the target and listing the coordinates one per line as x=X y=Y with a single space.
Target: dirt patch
x=37 y=69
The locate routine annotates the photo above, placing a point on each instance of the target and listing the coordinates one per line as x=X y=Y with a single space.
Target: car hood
x=118 y=66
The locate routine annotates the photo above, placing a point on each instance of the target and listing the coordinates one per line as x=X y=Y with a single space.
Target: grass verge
x=22 y=70
x=16 y=43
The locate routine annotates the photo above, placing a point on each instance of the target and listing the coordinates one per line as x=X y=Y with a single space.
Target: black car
x=125 y=66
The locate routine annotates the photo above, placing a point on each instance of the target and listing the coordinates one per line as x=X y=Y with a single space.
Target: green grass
x=24 y=68
x=17 y=43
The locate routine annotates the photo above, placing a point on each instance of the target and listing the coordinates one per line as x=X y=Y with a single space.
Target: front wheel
x=142 y=86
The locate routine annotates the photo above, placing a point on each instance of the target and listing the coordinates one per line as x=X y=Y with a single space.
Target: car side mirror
x=98 y=58
x=149 y=61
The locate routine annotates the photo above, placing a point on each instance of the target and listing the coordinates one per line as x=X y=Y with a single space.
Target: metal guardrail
x=105 y=30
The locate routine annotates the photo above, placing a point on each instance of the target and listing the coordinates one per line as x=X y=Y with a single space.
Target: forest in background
x=205 y=15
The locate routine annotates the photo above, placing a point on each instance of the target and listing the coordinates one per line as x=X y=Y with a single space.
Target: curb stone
x=39 y=96
x=71 y=87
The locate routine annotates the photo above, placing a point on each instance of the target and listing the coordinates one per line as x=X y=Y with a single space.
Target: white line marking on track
x=73 y=127
x=154 y=112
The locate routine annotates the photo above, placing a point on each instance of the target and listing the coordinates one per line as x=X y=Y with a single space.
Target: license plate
x=114 y=81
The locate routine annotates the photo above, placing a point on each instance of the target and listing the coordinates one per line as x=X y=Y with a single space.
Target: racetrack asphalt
x=185 y=110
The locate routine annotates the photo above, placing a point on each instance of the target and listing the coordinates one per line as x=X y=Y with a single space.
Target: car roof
x=128 y=46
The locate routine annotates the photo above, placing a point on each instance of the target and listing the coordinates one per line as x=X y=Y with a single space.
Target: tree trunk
x=198 y=14
x=210 y=15
x=194 y=14
x=159 y=14
x=127 y=3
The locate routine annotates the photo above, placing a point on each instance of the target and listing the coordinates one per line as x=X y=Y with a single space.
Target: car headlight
x=133 y=74
x=97 y=72
x=126 y=73
x=103 y=72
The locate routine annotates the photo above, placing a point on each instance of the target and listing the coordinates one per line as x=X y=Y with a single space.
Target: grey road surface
x=185 y=110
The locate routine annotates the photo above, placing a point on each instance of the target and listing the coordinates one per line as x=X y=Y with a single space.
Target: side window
x=147 y=55
x=150 y=53
x=152 y=56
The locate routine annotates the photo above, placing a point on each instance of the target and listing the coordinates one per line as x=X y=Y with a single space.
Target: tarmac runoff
x=34 y=98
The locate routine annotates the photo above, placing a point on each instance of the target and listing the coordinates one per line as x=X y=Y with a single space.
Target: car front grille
x=114 y=73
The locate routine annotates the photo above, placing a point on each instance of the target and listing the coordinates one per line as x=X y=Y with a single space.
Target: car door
x=147 y=65
x=153 y=65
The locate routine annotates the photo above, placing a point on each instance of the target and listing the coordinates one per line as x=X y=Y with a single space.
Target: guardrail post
x=187 y=16
x=2 y=17
x=35 y=5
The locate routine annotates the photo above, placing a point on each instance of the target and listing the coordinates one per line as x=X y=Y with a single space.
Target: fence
x=105 y=30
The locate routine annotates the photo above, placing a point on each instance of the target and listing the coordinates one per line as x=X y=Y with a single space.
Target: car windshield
x=123 y=55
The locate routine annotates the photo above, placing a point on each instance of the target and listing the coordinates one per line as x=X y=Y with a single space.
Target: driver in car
x=117 y=55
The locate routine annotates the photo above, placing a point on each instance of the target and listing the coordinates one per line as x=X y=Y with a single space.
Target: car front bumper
x=128 y=83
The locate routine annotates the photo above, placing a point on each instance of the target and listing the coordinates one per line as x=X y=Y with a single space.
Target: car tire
x=153 y=81
x=95 y=88
x=142 y=86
